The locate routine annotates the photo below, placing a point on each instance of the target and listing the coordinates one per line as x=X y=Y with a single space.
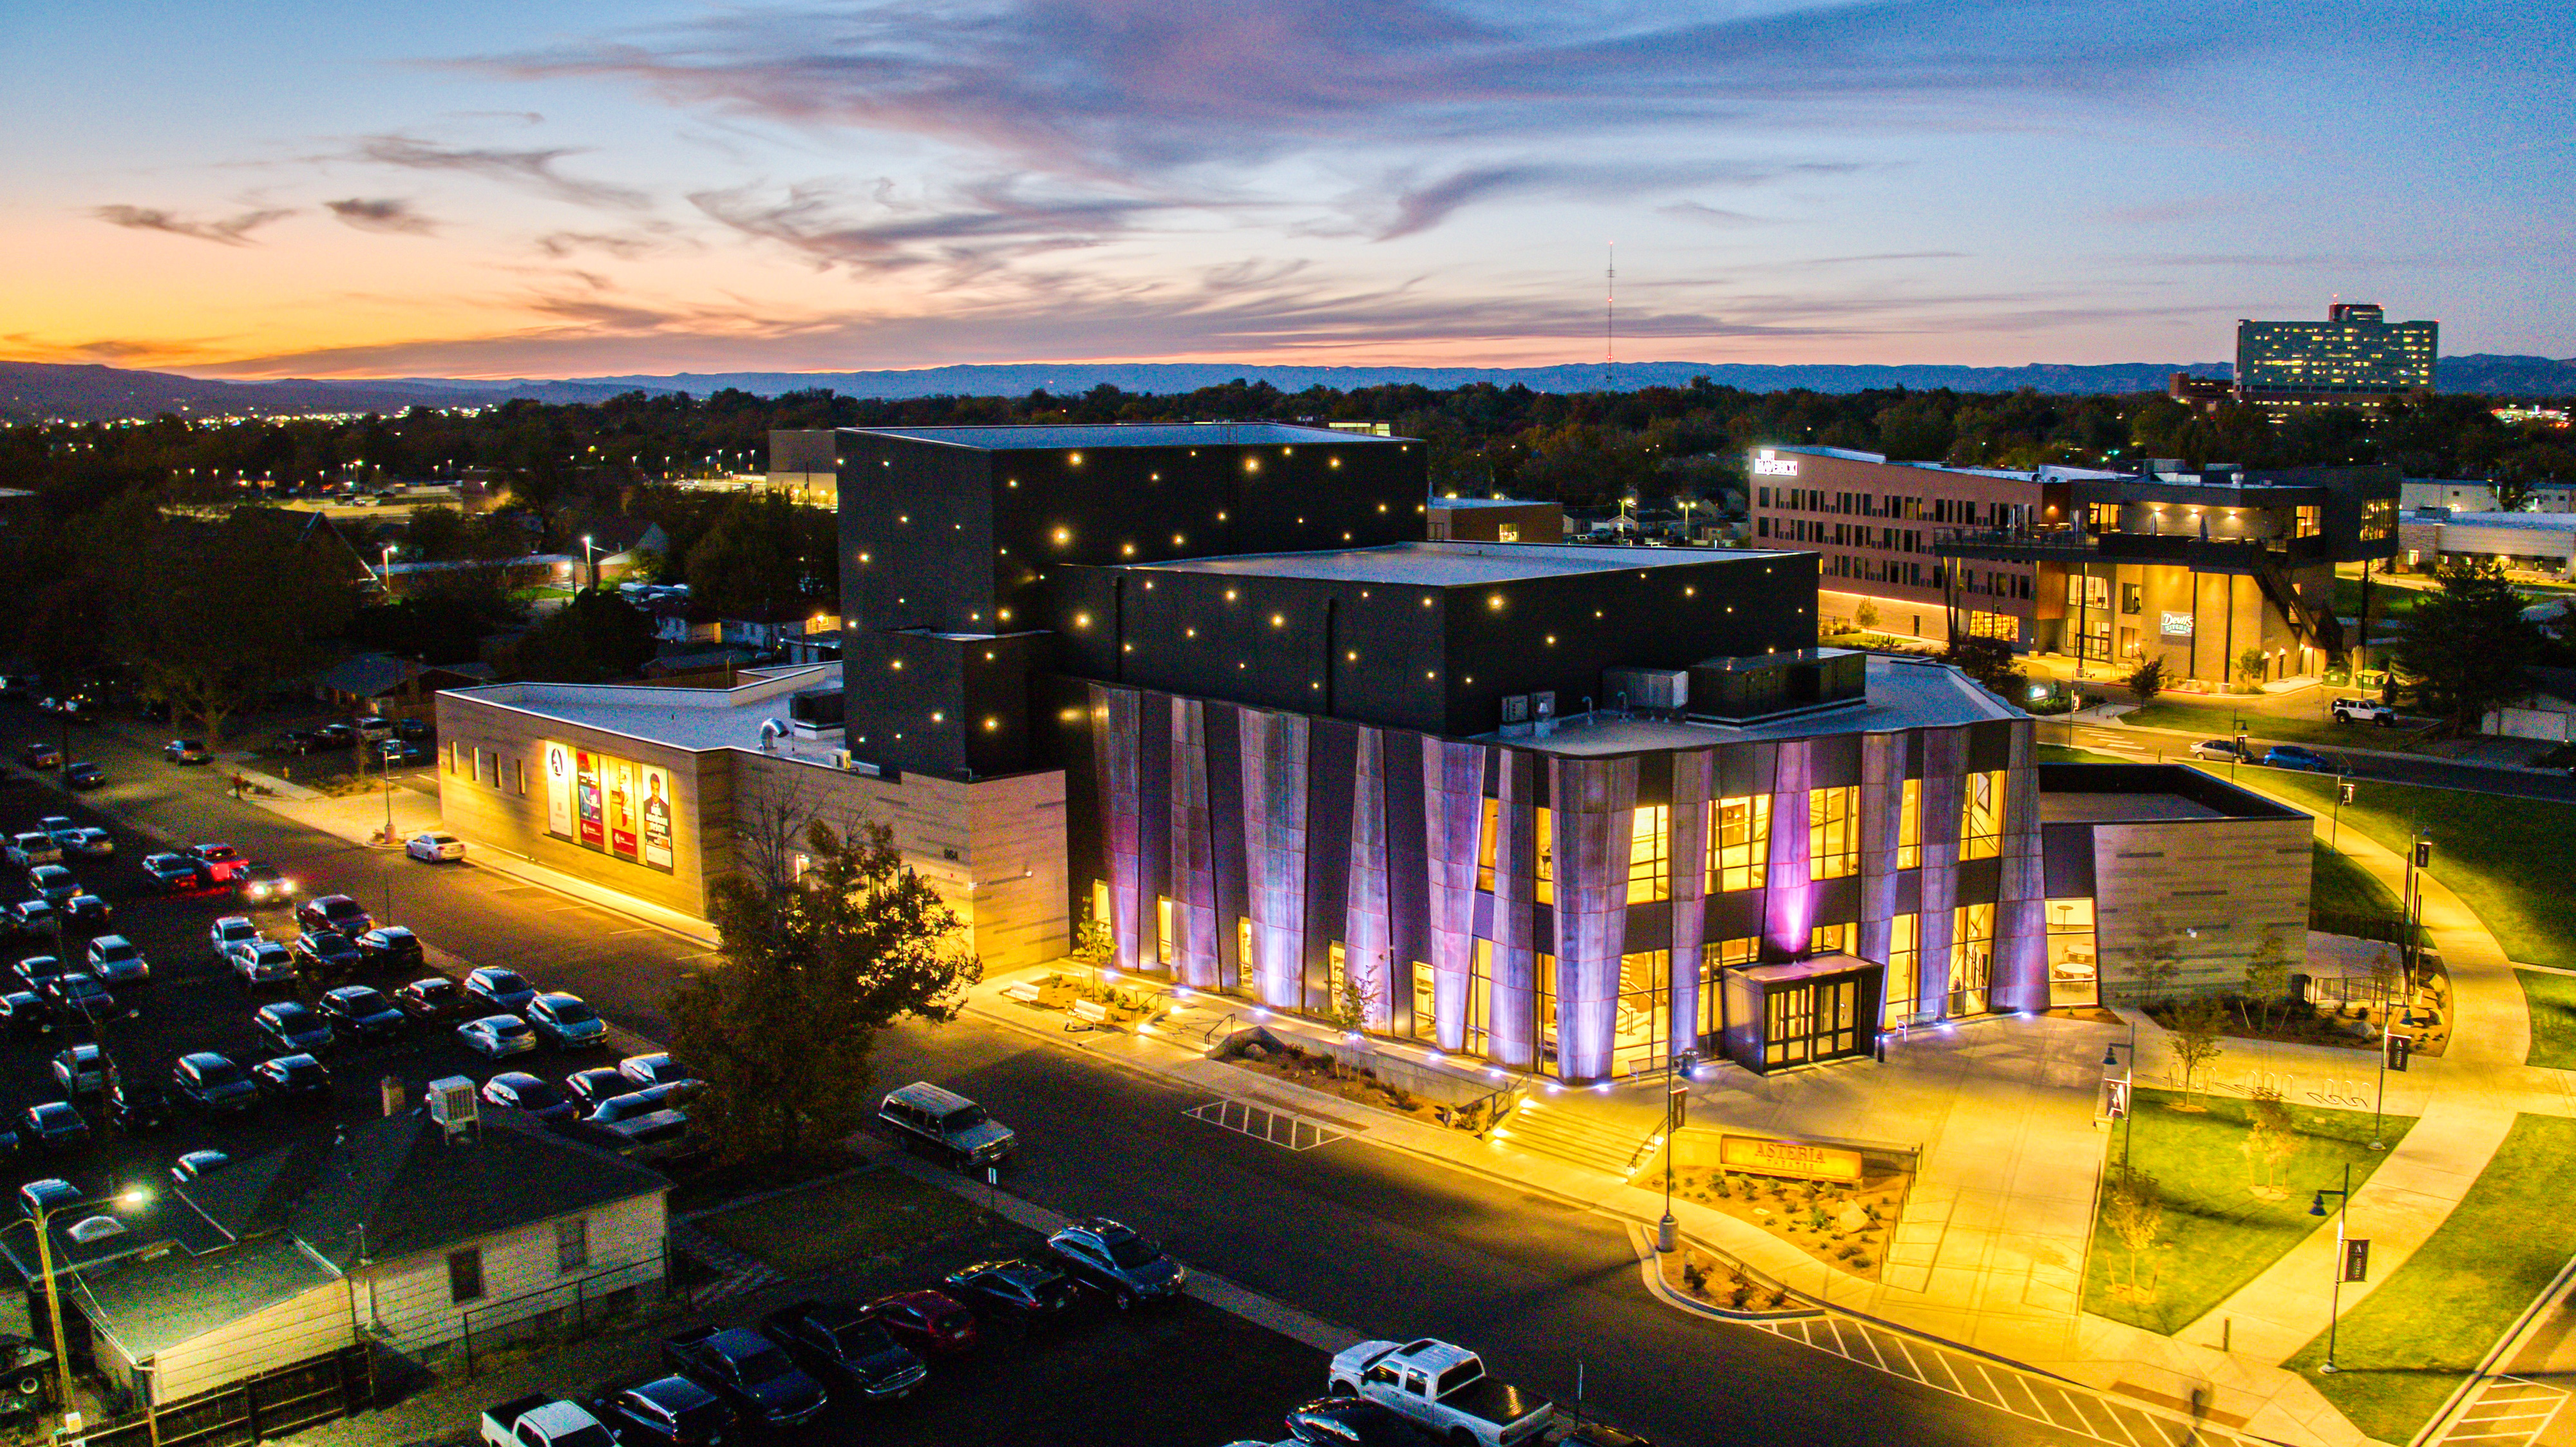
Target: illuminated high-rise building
x=2354 y=357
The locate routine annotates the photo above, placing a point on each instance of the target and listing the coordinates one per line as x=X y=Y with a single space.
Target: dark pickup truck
x=748 y=1370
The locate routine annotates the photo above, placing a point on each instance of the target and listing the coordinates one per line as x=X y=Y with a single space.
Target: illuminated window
x=1485 y=841
x=1715 y=958
x=1739 y=843
x=1543 y=866
x=1833 y=833
x=1909 y=826
x=1826 y=939
x=1650 y=848
x=1904 y=961
x=1972 y=957
x=1981 y=816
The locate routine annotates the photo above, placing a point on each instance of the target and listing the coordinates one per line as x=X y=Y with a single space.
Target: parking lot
x=194 y=1001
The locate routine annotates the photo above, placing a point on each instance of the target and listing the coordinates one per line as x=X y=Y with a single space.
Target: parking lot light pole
x=1668 y=1231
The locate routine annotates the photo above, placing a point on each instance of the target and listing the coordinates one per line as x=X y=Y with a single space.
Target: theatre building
x=1571 y=810
x=2225 y=574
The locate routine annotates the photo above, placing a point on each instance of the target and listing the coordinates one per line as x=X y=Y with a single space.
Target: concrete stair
x=1548 y=1128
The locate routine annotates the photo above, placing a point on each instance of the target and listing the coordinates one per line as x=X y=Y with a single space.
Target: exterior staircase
x=1542 y=1127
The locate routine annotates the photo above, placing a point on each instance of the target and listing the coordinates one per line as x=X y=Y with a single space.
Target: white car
x=31 y=849
x=2364 y=710
x=260 y=962
x=497 y=1037
x=231 y=930
x=435 y=848
x=92 y=843
x=115 y=961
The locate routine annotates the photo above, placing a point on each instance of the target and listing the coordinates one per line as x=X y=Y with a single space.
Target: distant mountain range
x=35 y=390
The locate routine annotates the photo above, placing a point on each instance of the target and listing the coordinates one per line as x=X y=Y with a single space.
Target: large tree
x=2466 y=649
x=824 y=940
x=213 y=616
x=593 y=638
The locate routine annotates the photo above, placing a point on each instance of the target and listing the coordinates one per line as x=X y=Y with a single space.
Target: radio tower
x=1610 y=319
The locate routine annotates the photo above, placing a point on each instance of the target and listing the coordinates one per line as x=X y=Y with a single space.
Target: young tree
x=808 y=971
x=1866 y=615
x=2267 y=975
x=2250 y=666
x=2147 y=680
x=2467 y=648
x=2158 y=962
x=2271 y=1137
x=2193 y=1039
x=2134 y=1209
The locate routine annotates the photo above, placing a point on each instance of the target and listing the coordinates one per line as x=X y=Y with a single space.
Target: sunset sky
x=472 y=188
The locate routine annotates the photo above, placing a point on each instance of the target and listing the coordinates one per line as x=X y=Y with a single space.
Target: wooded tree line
x=1582 y=448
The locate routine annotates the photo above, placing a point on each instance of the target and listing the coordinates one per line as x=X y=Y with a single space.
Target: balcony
x=2066 y=544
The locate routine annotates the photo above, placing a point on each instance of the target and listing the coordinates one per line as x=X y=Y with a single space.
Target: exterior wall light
x=1063 y=535
x=1077 y=459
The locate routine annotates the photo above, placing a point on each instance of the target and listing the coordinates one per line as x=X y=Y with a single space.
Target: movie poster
x=657 y=818
x=594 y=819
x=559 y=791
x=620 y=777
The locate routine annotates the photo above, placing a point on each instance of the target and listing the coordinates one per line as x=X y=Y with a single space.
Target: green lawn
x=2215 y=720
x=2404 y=1350
x=2506 y=857
x=2340 y=886
x=2552 y=1001
x=2061 y=754
x=872 y=1213
x=2218 y=1232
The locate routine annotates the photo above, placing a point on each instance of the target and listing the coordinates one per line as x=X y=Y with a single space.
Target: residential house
x=390 y=687
x=406 y=1231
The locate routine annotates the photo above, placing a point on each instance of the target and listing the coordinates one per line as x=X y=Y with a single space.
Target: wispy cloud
x=229 y=231
x=979 y=226
x=382 y=214
x=1122 y=88
x=532 y=170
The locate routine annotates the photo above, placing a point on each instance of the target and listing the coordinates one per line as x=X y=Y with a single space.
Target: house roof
x=369 y=675
x=1077 y=436
x=151 y=1304
x=399 y=1186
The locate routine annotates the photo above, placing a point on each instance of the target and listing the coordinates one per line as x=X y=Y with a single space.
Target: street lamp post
x=42 y=1224
x=2128 y=1102
x=386 y=575
x=2343 y=1215
x=1668 y=1231
x=588 y=565
x=2419 y=857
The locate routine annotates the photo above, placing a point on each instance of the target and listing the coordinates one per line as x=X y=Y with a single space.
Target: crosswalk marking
x=2029 y=1396
x=2508 y=1412
x=1283 y=1128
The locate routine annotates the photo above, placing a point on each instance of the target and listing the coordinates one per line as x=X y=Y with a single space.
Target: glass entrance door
x=1816 y=1020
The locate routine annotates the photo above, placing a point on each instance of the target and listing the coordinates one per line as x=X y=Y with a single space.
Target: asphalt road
x=2431 y=773
x=1377 y=1240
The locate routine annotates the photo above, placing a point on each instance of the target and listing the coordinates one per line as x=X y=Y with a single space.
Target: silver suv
x=926 y=1117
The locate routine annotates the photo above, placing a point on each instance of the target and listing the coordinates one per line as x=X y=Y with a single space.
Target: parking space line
x=1268 y=1124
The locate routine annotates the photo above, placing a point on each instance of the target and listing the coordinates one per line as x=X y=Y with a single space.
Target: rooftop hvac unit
x=452 y=1104
x=1648 y=688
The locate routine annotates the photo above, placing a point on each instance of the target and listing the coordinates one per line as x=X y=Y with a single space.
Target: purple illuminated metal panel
x=1274 y=848
x=2021 y=938
x=1945 y=762
x=1693 y=774
x=1515 y=953
x=1593 y=808
x=1193 y=849
x=1789 y=906
x=1366 y=954
x=1882 y=808
x=1453 y=811
x=1116 y=715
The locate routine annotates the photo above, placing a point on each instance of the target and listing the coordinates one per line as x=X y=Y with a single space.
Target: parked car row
x=2278 y=756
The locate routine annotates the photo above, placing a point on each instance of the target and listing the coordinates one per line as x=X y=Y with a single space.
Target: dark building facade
x=952 y=537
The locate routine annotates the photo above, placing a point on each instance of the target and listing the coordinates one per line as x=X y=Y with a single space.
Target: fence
x=255 y=1409
x=564 y=1311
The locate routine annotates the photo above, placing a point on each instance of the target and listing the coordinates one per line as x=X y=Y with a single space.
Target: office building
x=2200 y=569
x=2354 y=357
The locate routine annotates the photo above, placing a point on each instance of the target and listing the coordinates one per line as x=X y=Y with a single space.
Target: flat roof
x=2537 y=522
x=2120 y=808
x=1451 y=564
x=676 y=717
x=1043 y=437
x=1491 y=502
x=1903 y=694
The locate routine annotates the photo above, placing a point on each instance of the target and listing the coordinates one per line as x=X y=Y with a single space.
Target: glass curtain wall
x=1972 y=958
x=1645 y=1012
x=1739 y=843
x=2074 y=972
